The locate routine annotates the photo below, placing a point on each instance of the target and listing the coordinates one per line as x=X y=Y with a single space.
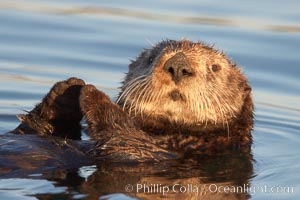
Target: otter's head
x=183 y=85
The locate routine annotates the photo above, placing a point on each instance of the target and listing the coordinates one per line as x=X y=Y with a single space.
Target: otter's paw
x=95 y=105
x=58 y=114
x=90 y=98
x=62 y=101
x=100 y=113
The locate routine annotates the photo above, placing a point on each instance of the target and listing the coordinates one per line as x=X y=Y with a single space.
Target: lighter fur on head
x=212 y=95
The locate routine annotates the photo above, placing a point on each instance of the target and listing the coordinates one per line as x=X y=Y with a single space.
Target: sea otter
x=178 y=97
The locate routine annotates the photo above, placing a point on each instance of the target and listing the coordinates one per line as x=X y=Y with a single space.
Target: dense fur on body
x=178 y=97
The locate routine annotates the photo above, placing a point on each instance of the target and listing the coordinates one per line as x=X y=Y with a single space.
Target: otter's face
x=185 y=85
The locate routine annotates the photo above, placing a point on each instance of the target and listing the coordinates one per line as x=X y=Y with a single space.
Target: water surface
x=43 y=42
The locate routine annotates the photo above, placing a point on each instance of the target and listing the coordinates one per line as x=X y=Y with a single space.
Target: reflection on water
x=46 y=41
x=194 y=178
x=198 y=177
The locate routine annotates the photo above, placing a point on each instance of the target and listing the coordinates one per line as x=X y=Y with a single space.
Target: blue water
x=42 y=42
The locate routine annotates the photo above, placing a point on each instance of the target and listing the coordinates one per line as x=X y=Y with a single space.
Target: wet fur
x=155 y=118
x=213 y=109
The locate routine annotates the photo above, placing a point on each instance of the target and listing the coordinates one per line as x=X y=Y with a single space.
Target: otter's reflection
x=197 y=177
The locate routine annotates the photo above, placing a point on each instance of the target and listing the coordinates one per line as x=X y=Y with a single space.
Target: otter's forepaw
x=90 y=98
x=91 y=103
x=100 y=113
x=58 y=114
x=62 y=101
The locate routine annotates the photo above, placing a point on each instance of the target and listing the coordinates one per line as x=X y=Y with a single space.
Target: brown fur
x=58 y=114
x=178 y=97
x=211 y=109
x=118 y=139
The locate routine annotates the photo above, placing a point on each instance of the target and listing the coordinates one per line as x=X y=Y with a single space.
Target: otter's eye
x=215 y=67
x=150 y=60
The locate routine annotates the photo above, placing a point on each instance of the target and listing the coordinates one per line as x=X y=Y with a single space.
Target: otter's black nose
x=178 y=67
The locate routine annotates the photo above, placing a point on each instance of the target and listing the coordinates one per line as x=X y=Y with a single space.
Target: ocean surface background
x=42 y=42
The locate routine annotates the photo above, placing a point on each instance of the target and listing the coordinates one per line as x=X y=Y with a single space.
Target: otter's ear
x=136 y=62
